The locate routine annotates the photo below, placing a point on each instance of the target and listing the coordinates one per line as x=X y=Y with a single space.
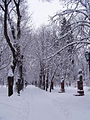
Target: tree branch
x=5 y=30
x=3 y=1
x=2 y=7
x=71 y=11
x=15 y=2
x=83 y=4
x=9 y=2
x=4 y=66
x=70 y=44
x=74 y=28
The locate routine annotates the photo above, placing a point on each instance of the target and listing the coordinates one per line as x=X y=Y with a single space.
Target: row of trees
x=50 y=54
x=62 y=44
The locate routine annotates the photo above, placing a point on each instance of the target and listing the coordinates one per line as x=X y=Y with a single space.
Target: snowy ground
x=36 y=104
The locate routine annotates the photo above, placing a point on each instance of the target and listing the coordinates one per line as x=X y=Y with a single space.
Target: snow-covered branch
x=78 y=23
x=70 y=44
x=69 y=11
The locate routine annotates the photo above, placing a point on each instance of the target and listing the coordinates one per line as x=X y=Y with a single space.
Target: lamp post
x=87 y=55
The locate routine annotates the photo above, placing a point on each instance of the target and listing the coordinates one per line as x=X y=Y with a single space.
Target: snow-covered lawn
x=36 y=104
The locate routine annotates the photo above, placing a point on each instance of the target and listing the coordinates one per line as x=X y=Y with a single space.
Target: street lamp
x=87 y=55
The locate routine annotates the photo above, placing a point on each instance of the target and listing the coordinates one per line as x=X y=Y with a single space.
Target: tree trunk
x=10 y=85
x=51 y=86
x=10 y=78
x=17 y=57
x=43 y=82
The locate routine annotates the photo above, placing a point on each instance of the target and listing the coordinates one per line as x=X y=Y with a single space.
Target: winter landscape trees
x=54 y=57
x=78 y=17
x=49 y=55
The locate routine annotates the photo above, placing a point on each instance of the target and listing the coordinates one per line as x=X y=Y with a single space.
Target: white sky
x=41 y=10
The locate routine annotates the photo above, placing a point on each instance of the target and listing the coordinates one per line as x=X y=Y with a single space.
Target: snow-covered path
x=36 y=104
x=42 y=108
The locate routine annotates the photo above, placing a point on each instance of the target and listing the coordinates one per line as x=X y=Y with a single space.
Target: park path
x=36 y=104
x=41 y=107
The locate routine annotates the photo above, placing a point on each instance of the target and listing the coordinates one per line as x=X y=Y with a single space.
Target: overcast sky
x=41 y=10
